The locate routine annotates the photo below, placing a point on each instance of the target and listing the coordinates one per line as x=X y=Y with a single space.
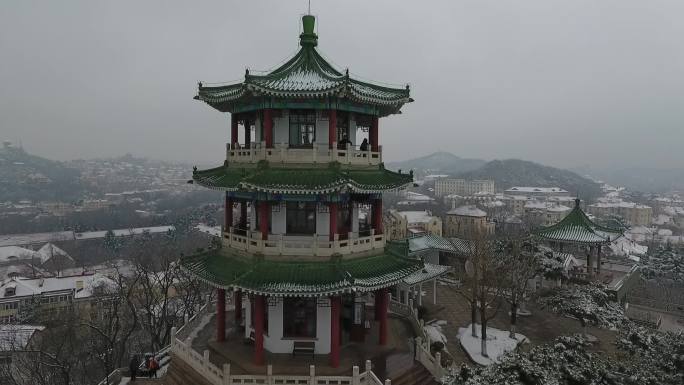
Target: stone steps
x=417 y=375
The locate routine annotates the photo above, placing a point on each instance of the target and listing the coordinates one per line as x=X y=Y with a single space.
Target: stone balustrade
x=214 y=375
x=317 y=245
x=318 y=153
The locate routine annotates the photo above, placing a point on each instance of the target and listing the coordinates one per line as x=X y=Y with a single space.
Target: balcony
x=317 y=153
x=296 y=245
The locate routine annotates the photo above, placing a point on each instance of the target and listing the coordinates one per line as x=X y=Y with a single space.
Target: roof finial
x=309 y=11
x=577 y=202
x=308 y=37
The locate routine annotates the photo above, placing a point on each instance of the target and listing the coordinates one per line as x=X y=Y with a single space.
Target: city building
x=467 y=222
x=633 y=213
x=537 y=191
x=422 y=222
x=394 y=225
x=544 y=213
x=49 y=295
x=304 y=155
x=448 y=186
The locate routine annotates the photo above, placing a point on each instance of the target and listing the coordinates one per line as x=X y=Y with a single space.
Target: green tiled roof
x=299 y=278
x=307 y=75
x=301 y=180
x=576 y=227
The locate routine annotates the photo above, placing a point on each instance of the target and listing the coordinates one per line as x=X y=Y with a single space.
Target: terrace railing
x=317 y=153
x=317 y=245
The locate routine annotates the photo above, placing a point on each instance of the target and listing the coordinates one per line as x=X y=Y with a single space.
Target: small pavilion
x=577 y=229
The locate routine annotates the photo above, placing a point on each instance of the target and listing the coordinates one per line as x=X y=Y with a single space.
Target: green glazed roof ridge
x=306 y=180
x=577 y=227
x=304 y=278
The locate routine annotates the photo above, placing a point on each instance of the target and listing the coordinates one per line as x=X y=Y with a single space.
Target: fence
x=222 y=376
x=433 y=364
x=318 y=153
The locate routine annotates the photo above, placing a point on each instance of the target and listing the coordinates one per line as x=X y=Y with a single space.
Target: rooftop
x=417 y=216
x=307 y=75
x=528 y=189
x=467 y=211
x=83 y=285
x=576 y=227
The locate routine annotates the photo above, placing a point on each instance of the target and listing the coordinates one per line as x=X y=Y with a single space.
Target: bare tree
x=522 y=264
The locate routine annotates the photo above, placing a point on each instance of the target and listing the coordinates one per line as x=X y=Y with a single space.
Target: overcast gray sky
x=565 y=83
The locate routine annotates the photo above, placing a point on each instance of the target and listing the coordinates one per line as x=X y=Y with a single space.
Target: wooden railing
x=318 y=153
x=223 y=376
x=317 y=245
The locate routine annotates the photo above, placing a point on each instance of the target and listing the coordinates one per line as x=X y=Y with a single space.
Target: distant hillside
x=655 y=180
x=438 y=163
x=26 y=176
x=514 y=172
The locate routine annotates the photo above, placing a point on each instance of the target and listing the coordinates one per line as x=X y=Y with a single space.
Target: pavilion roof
x=307 y=75
x=301 y=180
x=576 y=227
x=223 y=269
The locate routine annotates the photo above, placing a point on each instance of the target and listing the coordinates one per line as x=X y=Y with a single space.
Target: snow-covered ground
x=498 y=343
x=435 y=333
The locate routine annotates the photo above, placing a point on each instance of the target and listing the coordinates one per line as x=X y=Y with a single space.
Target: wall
x=278 y=221
x=274 y=342
x=322 y=223
x=281 y=128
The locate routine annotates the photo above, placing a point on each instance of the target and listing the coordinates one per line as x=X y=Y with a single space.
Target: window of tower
x=302 y=128
x=299 y=318
x=342 y=125
x=300 y=218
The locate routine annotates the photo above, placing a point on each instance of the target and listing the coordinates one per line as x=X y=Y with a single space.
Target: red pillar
x=335 y=331
x=268 y=128
x=376 y=212
x=259 y=330
x=228 y=213
x=238 y=306
x=373 y=134
x=332 y=128
x=220 y=315
x=264 y=214
x=333 y=220
x=382 y=330
x=233 y=131
x=378 y=304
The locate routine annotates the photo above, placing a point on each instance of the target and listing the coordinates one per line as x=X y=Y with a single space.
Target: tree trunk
x=484 y=337
x=514 y=318
x=473 y=317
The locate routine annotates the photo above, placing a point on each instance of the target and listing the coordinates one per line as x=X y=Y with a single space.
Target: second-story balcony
x=303 y=245
x=314 y=153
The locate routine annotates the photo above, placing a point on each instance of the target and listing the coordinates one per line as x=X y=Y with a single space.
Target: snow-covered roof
x=33 y=238
x=414 y=196
x=467 y=211
x=626 y=247
x=124 y=232
x=16 y=337
x=211 y=230
x=428 y=272
x=416 y=216
x=9 y=253
x=619 y=203
x=430 y=242
x=83 y=286
x=49 y=250
x=531 y=189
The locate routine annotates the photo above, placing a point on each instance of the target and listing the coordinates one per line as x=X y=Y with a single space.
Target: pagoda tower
x=576 y=229
x=296 y=255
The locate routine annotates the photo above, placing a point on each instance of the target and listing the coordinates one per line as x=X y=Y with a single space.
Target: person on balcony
x=364 y=145
x=343 y=143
